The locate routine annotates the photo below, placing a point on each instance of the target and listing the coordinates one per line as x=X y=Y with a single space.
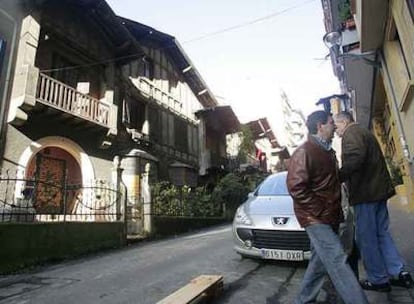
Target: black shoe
x=404 y=280
x=367 y=285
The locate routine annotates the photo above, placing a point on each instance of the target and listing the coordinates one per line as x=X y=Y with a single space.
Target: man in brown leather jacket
x=314 y=185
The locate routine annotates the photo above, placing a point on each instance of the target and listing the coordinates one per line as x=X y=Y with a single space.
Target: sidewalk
x=402 y=227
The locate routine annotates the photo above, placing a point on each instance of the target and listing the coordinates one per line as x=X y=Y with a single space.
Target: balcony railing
x=65 y=98
x=162 y=98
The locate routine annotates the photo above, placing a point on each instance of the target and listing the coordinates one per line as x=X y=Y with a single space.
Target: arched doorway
x=55 y=171
x=61 y=153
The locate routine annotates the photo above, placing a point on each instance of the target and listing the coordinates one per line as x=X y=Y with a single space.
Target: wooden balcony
x=60 y=96
x=33 y=90
x=164 y=99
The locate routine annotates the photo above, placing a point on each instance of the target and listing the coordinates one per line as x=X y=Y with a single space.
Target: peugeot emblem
x=280 y=220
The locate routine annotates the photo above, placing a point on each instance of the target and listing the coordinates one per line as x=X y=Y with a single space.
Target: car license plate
x=287 y=255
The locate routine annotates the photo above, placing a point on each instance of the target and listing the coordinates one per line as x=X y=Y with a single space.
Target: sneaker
x=367 y=285
x=404 y=280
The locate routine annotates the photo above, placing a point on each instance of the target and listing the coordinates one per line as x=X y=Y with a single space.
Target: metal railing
x=30 y=199
x=63 y=97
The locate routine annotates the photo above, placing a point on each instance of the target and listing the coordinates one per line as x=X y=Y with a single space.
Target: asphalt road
x=146 y=272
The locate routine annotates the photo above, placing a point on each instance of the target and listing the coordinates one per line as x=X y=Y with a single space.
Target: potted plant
x=345 y=15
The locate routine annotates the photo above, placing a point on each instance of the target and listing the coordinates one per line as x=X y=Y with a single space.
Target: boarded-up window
x=154 y=117
x=164 y=124
x=181 y=135
x=171 y=139
x=192 y=140
x=195 y=141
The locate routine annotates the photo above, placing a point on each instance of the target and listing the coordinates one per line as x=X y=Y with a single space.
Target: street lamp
x=333 y=40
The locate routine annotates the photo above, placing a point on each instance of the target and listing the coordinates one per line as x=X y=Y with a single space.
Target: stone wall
x=26 y=244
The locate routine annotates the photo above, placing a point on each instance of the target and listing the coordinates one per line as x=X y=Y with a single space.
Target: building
x=266 y=153
x=293 y=124
x=8 y=36
x=376 y=69
x=90 y=89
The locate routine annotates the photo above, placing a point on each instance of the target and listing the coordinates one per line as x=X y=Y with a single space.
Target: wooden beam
x=199 y=288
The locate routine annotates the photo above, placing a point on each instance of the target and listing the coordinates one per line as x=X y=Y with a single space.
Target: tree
x=247 y=143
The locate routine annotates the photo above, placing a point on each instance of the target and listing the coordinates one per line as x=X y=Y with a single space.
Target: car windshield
x=273 y=185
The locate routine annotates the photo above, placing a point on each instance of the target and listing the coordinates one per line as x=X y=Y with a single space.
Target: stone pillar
x=146 y=199
x=120 y=188
x=26 y=75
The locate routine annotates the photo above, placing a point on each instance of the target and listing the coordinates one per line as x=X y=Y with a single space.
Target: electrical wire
x=92 y=64
x=215 y=33
x=245 y=24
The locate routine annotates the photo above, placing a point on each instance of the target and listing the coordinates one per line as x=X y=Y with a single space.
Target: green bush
x=170 y=200
x=345 y=10
x=230 y=191
x=227 y=195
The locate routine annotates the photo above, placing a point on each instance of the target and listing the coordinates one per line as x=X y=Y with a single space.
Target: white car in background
x=265 y=225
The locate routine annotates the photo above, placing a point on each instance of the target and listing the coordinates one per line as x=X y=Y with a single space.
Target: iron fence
x=35 y=199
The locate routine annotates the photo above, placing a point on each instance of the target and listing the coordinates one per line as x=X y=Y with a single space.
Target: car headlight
x=241 y=217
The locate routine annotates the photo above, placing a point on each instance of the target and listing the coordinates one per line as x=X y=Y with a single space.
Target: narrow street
x=146 y=272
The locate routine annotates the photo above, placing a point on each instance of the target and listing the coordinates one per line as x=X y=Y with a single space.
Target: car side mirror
x=250 y=194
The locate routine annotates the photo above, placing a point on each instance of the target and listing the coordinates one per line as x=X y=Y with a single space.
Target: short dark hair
x=315 y=118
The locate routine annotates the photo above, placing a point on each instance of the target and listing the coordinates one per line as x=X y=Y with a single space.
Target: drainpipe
x=398 y=123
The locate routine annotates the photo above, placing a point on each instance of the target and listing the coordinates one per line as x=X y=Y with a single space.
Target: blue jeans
x=328 y=257
x=379 y=253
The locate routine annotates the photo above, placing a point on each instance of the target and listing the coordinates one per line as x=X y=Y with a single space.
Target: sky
x=273 y=45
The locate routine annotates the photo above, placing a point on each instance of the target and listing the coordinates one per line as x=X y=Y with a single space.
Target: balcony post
x=23 y=94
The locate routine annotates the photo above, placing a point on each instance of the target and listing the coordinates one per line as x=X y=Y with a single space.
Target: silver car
x=265 y=226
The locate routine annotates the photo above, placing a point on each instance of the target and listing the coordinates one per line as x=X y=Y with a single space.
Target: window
x=273 y=185
x=164 y=128
x=154 y=117
x=2 y=52
x=181 y=135
x=133 y=114
x=68 y=76
x=410 y=4
x=146 y=68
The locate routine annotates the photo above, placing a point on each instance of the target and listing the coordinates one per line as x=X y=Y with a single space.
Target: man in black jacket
x=369 y=184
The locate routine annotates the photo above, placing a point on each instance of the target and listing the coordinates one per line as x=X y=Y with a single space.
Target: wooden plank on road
x=199 y=287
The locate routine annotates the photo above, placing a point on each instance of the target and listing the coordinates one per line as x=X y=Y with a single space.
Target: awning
x=261 y=129
x=220 y=118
